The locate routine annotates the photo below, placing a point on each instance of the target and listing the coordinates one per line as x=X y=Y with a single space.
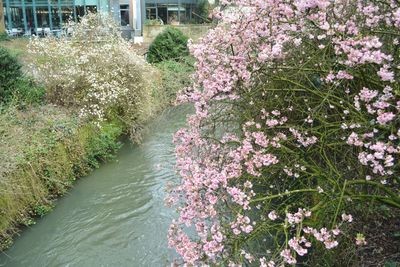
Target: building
x=26 y=17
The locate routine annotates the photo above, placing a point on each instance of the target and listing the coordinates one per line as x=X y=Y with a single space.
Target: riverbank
x=43 y=151
x=114 y=215
x=44 y=148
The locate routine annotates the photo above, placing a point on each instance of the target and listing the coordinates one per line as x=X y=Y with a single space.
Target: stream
x=115 y=216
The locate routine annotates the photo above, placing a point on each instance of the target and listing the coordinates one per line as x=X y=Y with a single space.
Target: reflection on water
x=115 y=216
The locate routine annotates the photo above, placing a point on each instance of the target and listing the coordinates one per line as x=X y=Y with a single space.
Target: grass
x=44 y=150
x=23 y=132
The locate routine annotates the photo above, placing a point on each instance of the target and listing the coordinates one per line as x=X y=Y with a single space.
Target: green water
x=115 y=216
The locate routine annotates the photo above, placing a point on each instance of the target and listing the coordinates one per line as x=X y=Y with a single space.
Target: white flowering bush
x=296 y=126
x=95 y=71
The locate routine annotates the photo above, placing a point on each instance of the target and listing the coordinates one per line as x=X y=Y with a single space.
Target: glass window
x=80 y=11
x=168 y=13
x=55 y=17
x=30 y=20
x=162 y=13
x=175 y=13
x=124 y=12
x=151 y=12
x=42 y=18
x=17 y=18
x=92 y=9
x=186 y=15
x=67 y=14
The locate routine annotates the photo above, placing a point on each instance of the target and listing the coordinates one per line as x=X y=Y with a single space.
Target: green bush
x=26 y=92
x=104 y=146
x=3 y=37
x=10 y=72
x=171 y=44
x=176 y=76
x=203 y=9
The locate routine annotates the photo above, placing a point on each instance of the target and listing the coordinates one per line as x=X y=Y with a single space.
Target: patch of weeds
x=392 y=264
x=41 y=210
x=4 y=37
x=27 y=93
x=27 y=222
x=176 y=75
x=104 y=146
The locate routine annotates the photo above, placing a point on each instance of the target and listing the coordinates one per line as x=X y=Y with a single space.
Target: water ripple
x=114 y=217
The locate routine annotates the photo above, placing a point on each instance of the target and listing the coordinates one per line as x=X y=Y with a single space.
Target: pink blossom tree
x=296 y=120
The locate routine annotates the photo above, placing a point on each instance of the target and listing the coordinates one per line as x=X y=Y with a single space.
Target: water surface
x=113 y=217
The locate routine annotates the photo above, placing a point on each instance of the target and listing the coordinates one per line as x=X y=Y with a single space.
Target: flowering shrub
x=96 y=71
x=296 y=122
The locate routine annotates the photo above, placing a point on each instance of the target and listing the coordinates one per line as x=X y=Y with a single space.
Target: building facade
x=26 y=17
x=169 y=12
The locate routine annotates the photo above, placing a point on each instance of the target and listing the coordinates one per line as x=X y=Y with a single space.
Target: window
x=151 y=12
x=55 y=17
x=91 y=9
x=124 y=12
x=16 y=17
x=80 y=11
x=67 y=14
x=42 y=14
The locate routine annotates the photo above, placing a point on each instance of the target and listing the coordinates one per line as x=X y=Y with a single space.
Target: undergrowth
x=175 y=75
x=47 y=163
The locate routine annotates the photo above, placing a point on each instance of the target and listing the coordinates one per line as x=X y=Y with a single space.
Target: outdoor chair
x=46 y=31
x=39 y=31
x=70 y=31
x=14 y=32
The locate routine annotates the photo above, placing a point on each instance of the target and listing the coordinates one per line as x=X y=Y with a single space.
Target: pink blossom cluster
x=298 y=217
x=223 y=176
x=300 y=244
x=325 y=236
x=378 y=153
x=242 y=224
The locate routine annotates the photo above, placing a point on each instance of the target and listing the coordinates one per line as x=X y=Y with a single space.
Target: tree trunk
x=2 y=25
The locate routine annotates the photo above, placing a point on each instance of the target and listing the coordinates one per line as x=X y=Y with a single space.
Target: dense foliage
x=96 y=71
x=10 y=72
x=296 y=126
x=43 y=150
x=203 y=7
x=15 y=87
x=171 y=44
x=3 y=36
x=176 y=76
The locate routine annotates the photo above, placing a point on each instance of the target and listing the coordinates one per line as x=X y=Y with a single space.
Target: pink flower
x=367 y=95
x=294 y=243
x=344 y=75
x=287 y=257
x=385 y=117
x=272 y=215
x=385 y=74
x=347 y=217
